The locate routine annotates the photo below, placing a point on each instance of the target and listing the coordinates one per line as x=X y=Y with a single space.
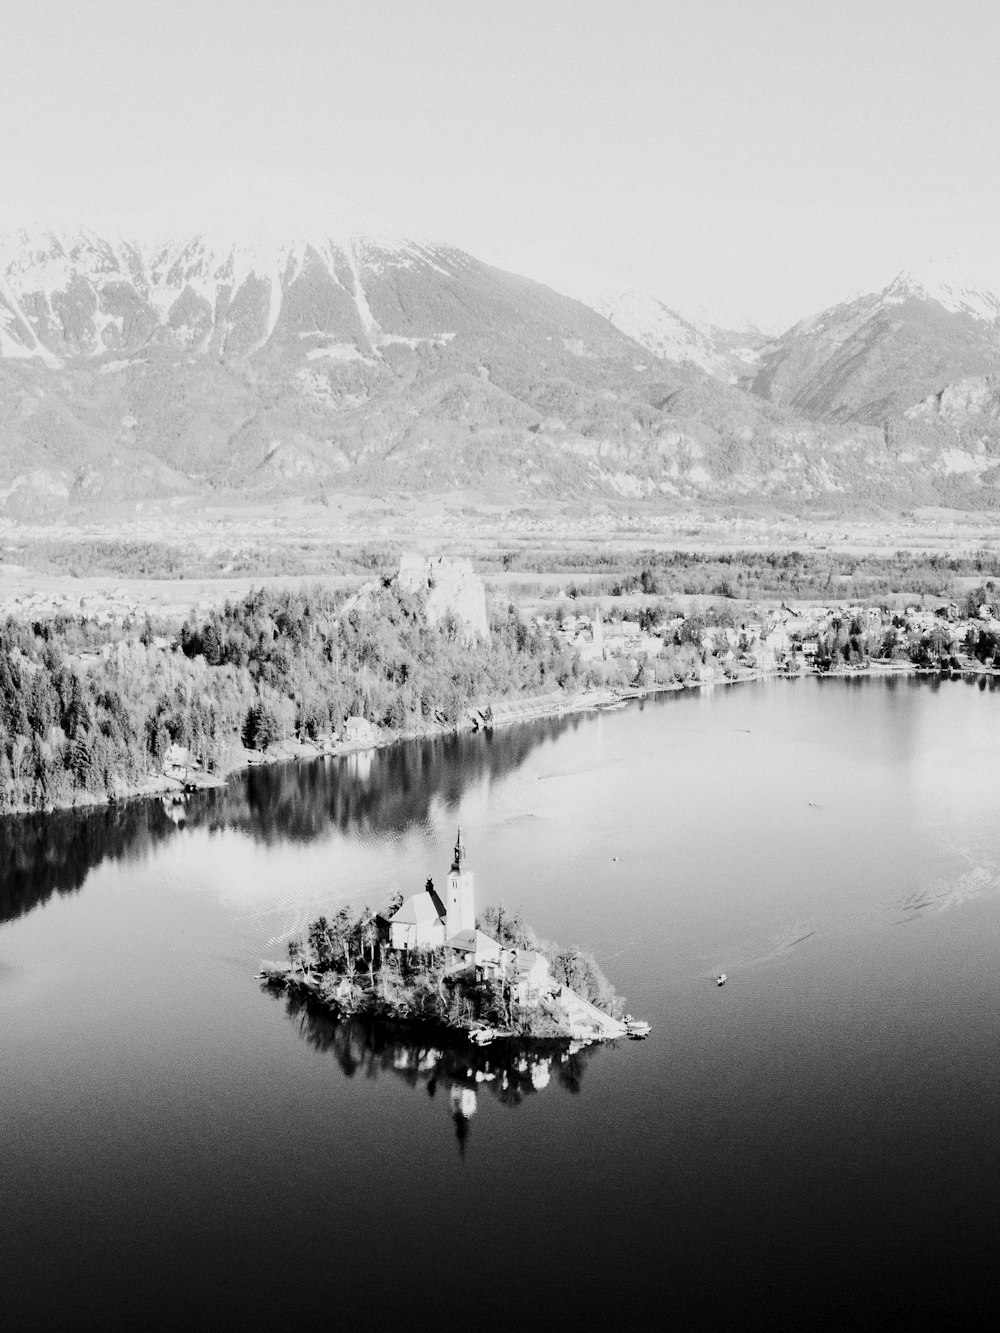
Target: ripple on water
x=979 y=881
x=743 y=954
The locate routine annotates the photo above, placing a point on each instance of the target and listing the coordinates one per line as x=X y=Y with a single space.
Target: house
x=777 y=643
x=474 y=948
x=176 y=761
x=359 y=731
x=531 y=977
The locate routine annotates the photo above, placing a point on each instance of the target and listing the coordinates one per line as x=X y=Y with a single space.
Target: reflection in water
x=437 y=1059
x=390 y=791
x=45 y=854
x=297 y=802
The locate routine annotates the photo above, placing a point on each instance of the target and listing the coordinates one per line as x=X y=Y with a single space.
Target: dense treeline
x=815 y=573
x=85 y=716
x=753 y=575
x=93 y=724
x=312 y=667
x=284 y=557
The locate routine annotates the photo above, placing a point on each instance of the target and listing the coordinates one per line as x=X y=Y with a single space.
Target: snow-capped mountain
x=957 y=282
x=727 y=354
x=881 y=353
x=309 y=361
x=65 y=295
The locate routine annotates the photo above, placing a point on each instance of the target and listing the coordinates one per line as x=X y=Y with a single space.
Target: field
x=169 y=558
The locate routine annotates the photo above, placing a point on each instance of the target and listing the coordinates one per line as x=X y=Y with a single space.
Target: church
x=426 y=921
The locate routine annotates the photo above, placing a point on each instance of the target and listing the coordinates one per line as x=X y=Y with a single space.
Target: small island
x=428 y=959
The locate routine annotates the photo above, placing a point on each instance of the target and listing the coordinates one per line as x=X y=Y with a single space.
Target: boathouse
x=358 y=730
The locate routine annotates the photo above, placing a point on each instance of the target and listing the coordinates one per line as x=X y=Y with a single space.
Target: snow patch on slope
x=959 y=282
x=651 y=323
x=368 y=323
x=662 y=331
x=338 y=352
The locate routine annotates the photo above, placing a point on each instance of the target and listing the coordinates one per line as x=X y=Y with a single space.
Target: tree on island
x=424 y=984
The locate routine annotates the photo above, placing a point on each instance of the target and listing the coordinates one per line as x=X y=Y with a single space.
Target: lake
x=818 y=1140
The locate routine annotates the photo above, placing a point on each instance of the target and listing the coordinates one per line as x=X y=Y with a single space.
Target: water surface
x=816 y=1140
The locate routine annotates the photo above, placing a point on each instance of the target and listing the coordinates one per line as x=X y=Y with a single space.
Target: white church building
x=428 y=921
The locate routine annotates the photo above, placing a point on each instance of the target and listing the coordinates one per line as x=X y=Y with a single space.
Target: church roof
x=528 y=960
x=473 y=941
x=420 y=908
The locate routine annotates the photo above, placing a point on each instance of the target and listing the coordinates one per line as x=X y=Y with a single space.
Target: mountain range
x=199 y=365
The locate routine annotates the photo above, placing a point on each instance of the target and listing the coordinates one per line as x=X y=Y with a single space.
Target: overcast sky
x=760 y=157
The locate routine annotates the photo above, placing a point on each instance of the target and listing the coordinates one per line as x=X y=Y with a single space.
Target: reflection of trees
x=297 y=802
x=45 y=854
x=438 y=1059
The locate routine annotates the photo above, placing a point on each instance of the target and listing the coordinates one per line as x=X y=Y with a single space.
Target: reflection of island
x=54 y=853
x=441 y=1061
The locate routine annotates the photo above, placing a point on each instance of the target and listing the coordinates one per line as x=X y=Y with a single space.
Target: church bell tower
x=460 y=901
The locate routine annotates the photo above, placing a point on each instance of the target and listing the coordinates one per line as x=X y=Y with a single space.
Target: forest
x=87 y=714
x=90 y=712
x=747 y=574
x=590 y=569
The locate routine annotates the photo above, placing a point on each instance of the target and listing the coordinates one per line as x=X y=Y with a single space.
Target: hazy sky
x=766 y=157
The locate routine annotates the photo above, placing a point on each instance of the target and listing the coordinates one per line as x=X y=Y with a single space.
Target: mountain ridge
x=136 y=367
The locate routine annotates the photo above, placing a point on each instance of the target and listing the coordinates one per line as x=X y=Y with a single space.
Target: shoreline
x=364 y=1004
x=534 y=709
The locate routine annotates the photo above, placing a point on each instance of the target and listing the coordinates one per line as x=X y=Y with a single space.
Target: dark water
x=816 y=1142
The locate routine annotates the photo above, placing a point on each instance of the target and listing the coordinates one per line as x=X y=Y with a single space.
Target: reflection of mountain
x=437 y=1059
x=45 y=854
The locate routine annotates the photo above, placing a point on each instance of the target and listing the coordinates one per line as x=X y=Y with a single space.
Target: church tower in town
x=460 y=901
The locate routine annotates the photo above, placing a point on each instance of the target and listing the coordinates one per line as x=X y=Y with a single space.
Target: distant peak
x=245 y=212
x=960 y=281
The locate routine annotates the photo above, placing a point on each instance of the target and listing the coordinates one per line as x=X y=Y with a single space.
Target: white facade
x=424 y=921
x=460 y=902
x=419 y=923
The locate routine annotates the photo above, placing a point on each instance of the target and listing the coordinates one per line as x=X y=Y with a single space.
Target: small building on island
x=474 y=948
x=532 y=978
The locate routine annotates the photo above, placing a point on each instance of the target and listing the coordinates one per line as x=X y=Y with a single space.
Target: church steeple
x=460 y=899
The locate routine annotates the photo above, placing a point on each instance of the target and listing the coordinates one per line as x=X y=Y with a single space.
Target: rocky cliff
x=450 y=586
